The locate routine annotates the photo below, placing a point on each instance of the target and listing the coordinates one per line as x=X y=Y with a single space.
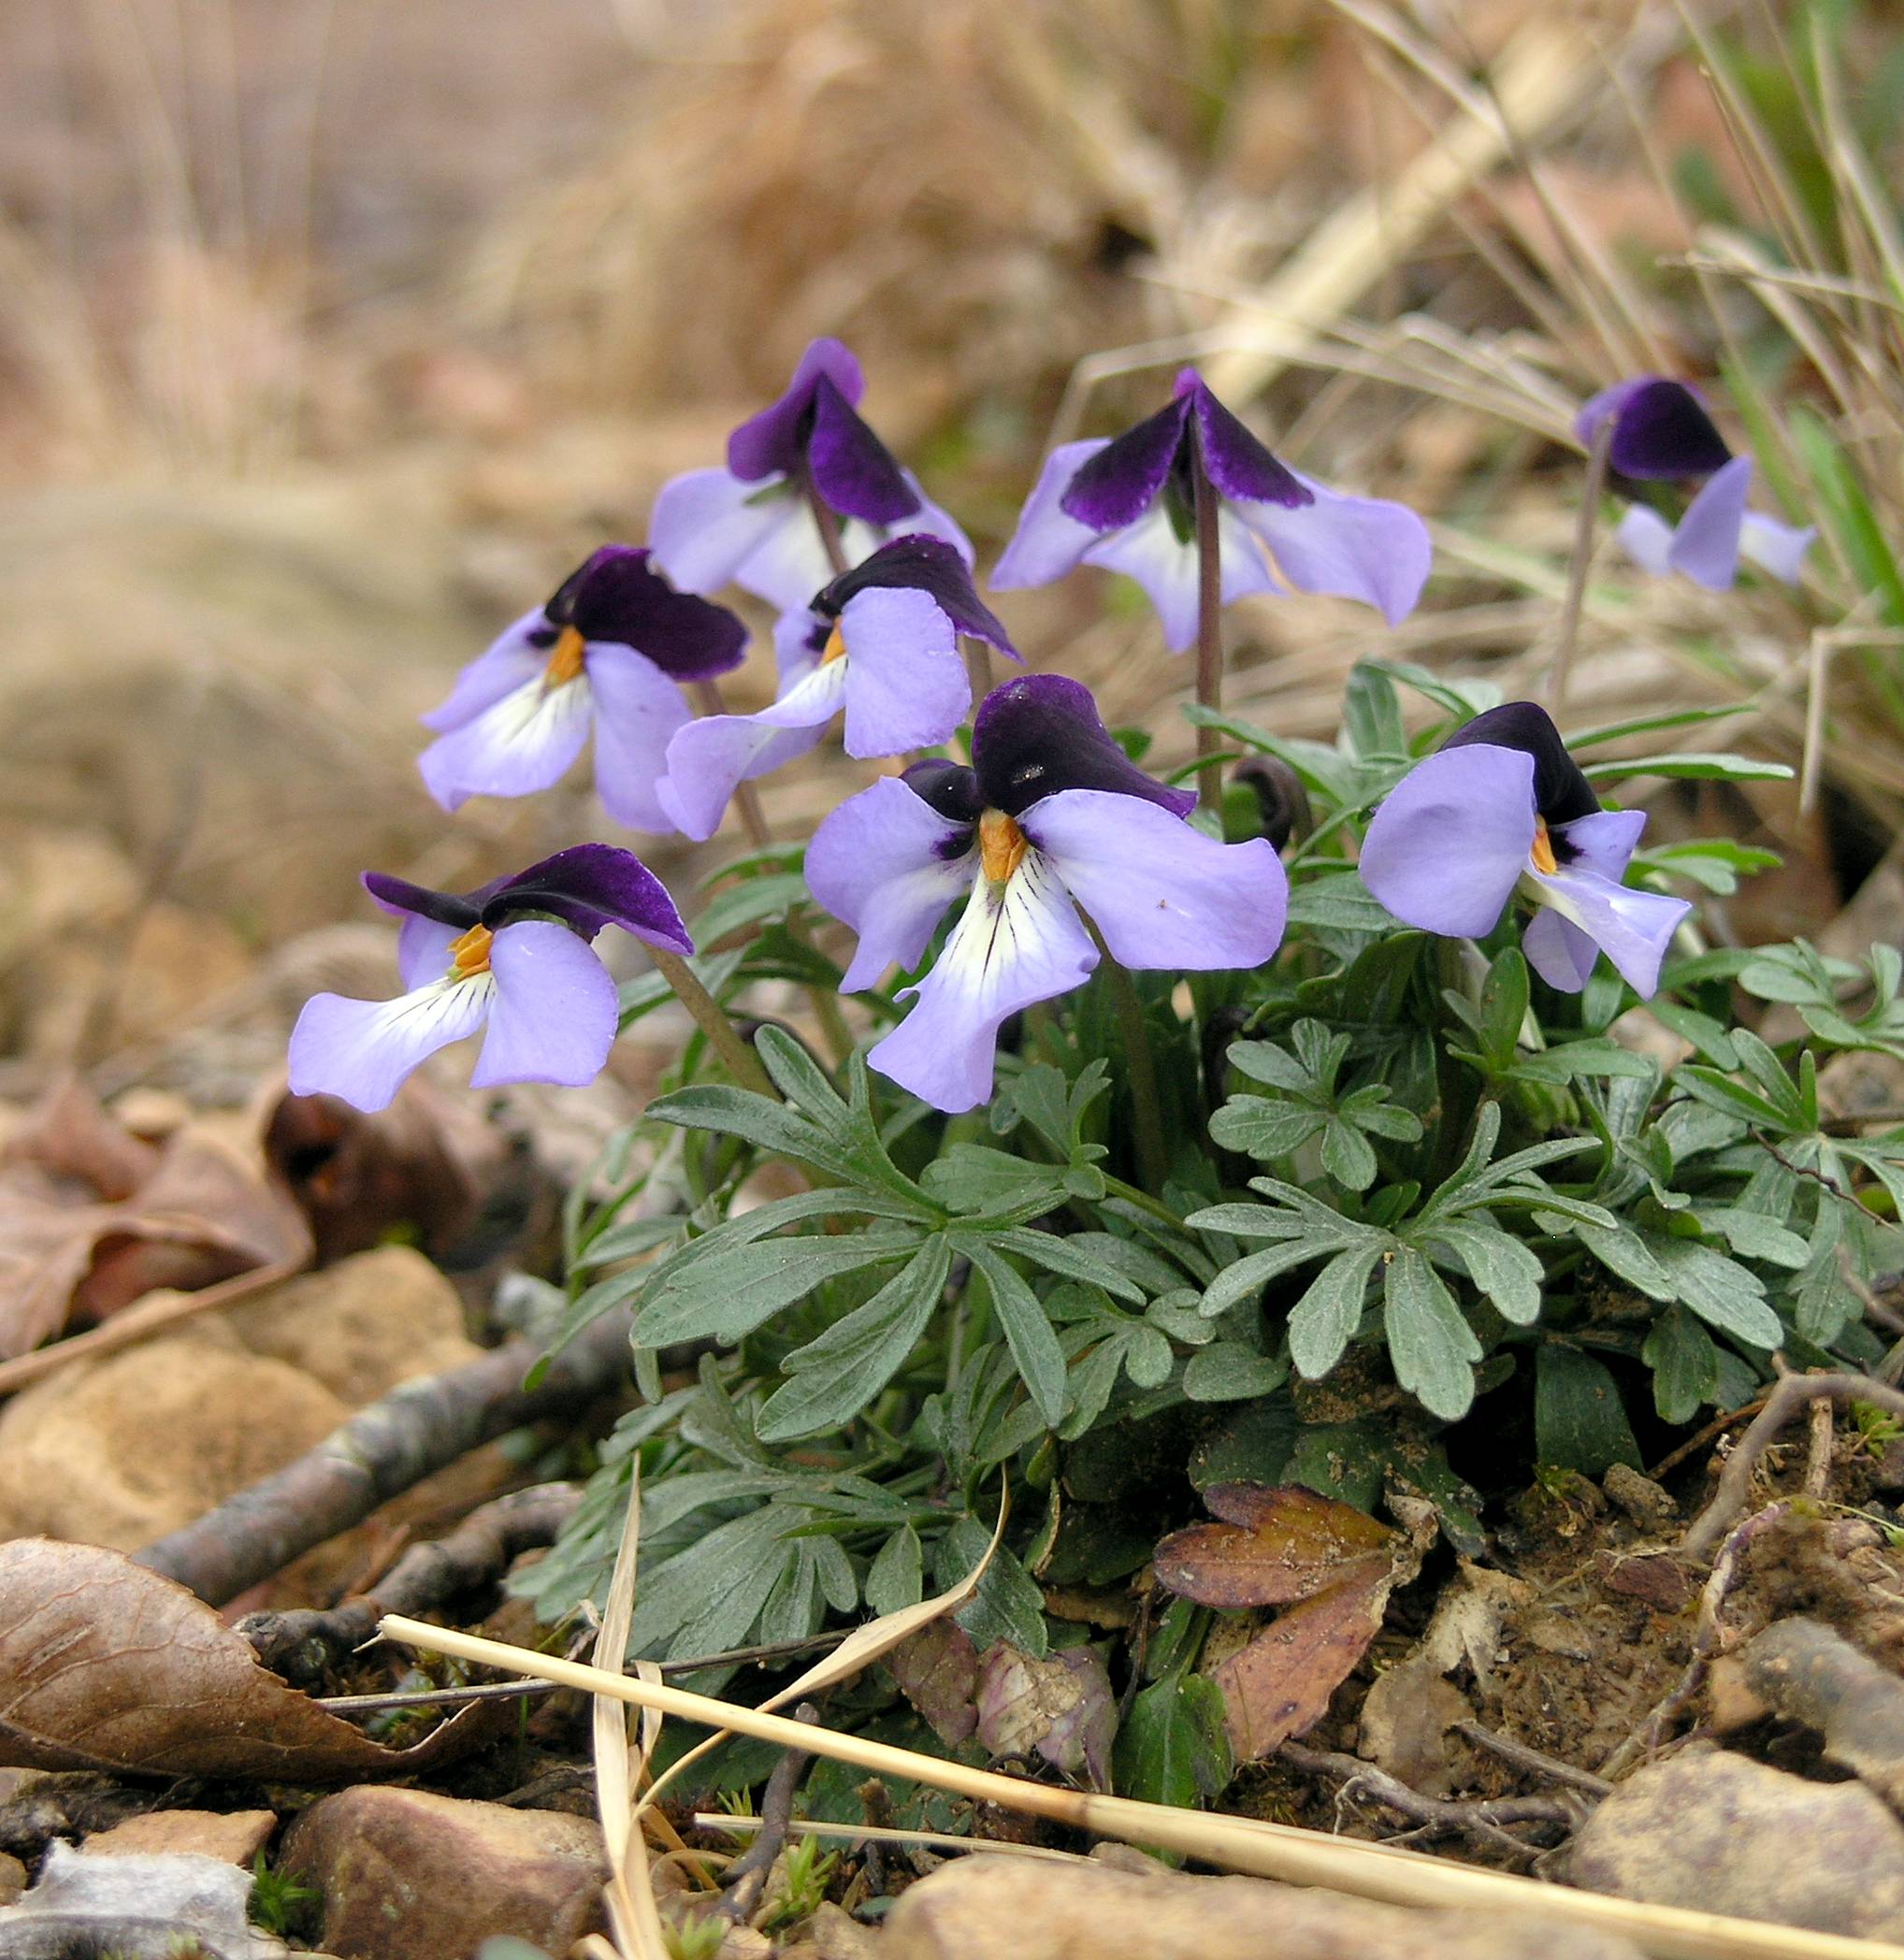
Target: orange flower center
x=469 y=954
x=835 y=648
x=565 y=658
x=1001 y=845
x=1542 y=853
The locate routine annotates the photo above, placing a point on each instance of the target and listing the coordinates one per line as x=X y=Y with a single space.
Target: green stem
x=1209 y=637
x=742 y=1064
x=828 y=526
x=1142 y=1200
x=1140 y=1067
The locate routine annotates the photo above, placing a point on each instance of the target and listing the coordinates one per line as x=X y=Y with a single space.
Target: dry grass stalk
x=889 y=1833
x=1248 y=1845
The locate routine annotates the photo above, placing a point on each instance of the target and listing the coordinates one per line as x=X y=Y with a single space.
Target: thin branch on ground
x=1781 y=1406
x=1711 y=1433
x=1480 y=1818
x=746 y=1877
x=384 y=1450
x=1523 y=1757
x=1818 y=1450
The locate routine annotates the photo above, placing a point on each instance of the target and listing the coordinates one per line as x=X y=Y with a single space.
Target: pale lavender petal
x=1777 y=548
x=925 y=563
x=1603 y=843
x=812 y=702
x=1162 y=894
x=888 y=864
x=906 y=686
x=554 y=1015
x=936 y=521
x=422 y=949
x=591 y=886
x=520 y=744
x=708 y=523
x=1633 y=929
x=1009 y=949
x=511 y=658
x=361 y=1050
x=1352 y=547
x=1706 y=544
x=709 y=759
x=638 y=710
x=1165 y=565
x=1647 y=539
x=1559 y=951
x=790 y=564
x=1447 y=845
x=1047 y=543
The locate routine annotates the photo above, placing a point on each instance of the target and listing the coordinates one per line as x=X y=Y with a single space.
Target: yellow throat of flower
x=1542 y=853
x=565 y=658
x=1001 y=845
x=835 y=648
x=469 y=954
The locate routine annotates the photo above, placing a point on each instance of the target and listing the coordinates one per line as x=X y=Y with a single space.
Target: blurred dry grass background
x=331 y=331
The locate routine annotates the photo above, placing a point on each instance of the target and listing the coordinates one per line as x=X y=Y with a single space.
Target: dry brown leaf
x=78 y=1241
x=937 y=1671
x=1061 y=1707
x=1274 y=1547
x=106 y=1665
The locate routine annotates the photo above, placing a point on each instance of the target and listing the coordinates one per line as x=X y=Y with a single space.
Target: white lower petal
x=1647 y=539
x=1774 y=547
x=516 y=747
x=1165 y=565
x=1633 y=929
x=361 y=1050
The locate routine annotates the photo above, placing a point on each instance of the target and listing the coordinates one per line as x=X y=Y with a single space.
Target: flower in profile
x=515 y=954
x=1662 y=433
x=881 y=641
x=609 y=651
x=1129 y=503
x=1501 y=807
x=750 y=524
x=1052 y=819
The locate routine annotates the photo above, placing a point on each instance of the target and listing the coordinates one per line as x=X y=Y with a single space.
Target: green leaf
x=1007 y=1605
x=1685 y=1365
x=727 y=1295
x=1231 y=1371
x=1621 y=1250
x=1262 y=1128
x=1324 y=1319
x=1069 y=1260
x=1698 y=768
x=1372 y=714
x=836 y=1375
x=1652 y=724
x=896 y=1578
x=1720 y=1290
x=975 y=1178
x=1338 y=901
x=1027 y=1329
x=1508 y=1272
x=759 y=1121
x=1431 y=1347
x=1579 y=1423
x=1173 y=1748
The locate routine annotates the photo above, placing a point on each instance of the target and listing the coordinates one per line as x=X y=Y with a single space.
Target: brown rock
x=1008 y=1908
x=235 y=1835
x=12 y=1878
x=361 y=1326
x=122 y=1450
x=1720 y=1832
x=409 y=1875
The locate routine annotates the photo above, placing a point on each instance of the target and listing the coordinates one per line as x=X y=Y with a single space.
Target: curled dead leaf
x=105 y=1665
x=1274 y=1546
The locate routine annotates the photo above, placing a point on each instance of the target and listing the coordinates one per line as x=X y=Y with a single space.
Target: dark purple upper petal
x=1660 y=429
x=774 y=442
x=1117 y=486
x=1234 y=461
x=849 y=466
x=589 y=887
x=1041 y=734
x=1561 y=792
x=400 y=895
x=950 y=787
x=617 y=596
x=933 y=567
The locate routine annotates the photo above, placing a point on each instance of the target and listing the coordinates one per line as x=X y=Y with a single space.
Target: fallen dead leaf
x=1061 y=1708
x=1274 y=1546
x=937 y=1671
x=105 y=1665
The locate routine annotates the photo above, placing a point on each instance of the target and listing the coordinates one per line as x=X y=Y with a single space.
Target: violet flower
x=881 y=641
x=750 y=524
x=608 y=650
x=1129 y=504
x=1501 y=807
x=1052 y=818
x=514 y=954
x=1662 y=432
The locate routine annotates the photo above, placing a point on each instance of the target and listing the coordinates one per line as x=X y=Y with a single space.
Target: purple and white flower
x=513 y=955
x=1051 y=820
x=1501 y=807
x=881 y=641
x=749 y=524
x=608 y=652
x=1662 y=433
x=1129 y=503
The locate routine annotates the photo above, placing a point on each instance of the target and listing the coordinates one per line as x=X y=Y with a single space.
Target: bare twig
x=1698 y=1441
x=1818 y=1451
x=1481 y=1819
x=1533 y=1761
x=381 y=1451
x=747 y=1875
x=1786 y=1398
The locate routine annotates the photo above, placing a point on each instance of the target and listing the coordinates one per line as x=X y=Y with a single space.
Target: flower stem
x=978 y=668
x=707 y=700
x=1140 y=1067
x=1578 y=564
x=827 y=525
x=742 y=1064
x=1209 y=635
